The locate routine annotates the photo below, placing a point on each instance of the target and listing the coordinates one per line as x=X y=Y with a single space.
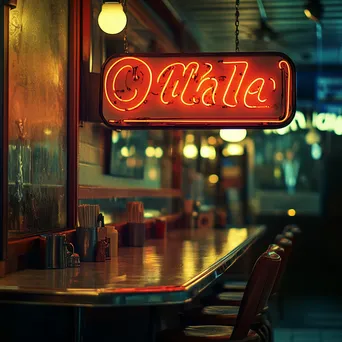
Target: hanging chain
x=237 y=23
x=124 y=3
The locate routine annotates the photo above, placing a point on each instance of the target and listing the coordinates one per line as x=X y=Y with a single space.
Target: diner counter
x=167 y=271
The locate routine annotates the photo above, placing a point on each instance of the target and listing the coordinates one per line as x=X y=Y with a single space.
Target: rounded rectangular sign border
x=206 y=123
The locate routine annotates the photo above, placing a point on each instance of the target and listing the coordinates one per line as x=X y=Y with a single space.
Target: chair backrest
x=257 y=292
x=292 y=228
x=283 y=248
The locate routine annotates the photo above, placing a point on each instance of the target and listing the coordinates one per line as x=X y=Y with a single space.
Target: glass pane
x=127 y=155
x=138 y=159
x=38 y=48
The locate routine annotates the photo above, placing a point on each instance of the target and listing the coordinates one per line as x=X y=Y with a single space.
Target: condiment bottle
x=101 y=230
x=101 y=245
x=112 y=242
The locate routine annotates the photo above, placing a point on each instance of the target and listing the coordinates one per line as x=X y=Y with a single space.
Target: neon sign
x=215 y=90
x=329 y=122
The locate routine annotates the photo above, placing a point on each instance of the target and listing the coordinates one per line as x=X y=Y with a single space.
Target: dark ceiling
x=212 y=23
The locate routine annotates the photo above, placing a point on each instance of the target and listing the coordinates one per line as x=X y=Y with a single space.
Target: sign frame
x=146 y=123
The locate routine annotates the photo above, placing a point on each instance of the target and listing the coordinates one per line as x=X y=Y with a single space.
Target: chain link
x=237 y=23
x=124 y=3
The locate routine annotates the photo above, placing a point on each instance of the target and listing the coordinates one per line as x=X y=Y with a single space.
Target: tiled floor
x=307 y=335
x=318 y=312
x=309 y=319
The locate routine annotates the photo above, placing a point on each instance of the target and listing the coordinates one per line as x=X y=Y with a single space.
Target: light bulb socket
x=11 y=3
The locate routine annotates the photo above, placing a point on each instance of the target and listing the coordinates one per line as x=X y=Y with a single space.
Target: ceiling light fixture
x=314 y=10
x=233 y=135
x=112 y=18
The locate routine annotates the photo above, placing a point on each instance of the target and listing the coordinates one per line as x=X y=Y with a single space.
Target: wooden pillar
x=220 y=191
x=177 y=159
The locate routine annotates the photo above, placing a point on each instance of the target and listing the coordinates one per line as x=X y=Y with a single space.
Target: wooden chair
x=255 y=297
x=239 y=286
x=226 y=304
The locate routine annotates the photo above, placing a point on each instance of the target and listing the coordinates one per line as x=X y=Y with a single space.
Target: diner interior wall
x=92 y=170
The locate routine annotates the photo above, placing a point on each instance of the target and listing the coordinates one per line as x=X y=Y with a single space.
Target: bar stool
x=255 y=297
x=224 y=311
x=292 y=228
x=235 y=298
x=226 y=303
x=288 y=235
x=227 y=297
x=239 y=286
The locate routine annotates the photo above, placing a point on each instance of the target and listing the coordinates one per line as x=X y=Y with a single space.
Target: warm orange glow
x=113 y=74
x=231 y=80
x=289 y=82
x=258 y=91
x=193 y=67
x=291 y=212
x=207 y=90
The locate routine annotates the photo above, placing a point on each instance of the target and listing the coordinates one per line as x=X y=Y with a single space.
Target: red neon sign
x=216 y=90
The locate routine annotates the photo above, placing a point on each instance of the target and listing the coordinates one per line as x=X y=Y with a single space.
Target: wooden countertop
x=168 y=271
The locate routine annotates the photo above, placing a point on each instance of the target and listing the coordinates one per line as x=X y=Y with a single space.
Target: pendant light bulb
x=112 y=18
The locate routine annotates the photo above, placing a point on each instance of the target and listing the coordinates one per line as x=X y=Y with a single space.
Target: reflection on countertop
x=178 y=263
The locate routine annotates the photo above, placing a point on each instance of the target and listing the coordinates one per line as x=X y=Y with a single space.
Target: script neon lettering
x=261 y=81
x=136 y=99
x=210 y=91
x=171 y=83
x=129 y=82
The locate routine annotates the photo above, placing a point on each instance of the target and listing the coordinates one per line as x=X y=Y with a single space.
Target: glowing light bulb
x=125 y=151
x=158 y=152
x=132 y=151
x=212 y=140
x=291 y=212
x=316 y=151
x=213 y=179
x=153 y=174
x=190 y=138
x=307 y=13
x=233 y=150
x=150 y=152
x=312 y=137
x=115 y=137
x=47 y=131
x=190 y=151
x=205 y=151
x=279 y=157
x=112 y=18
x=212 y=153
x=233 y=135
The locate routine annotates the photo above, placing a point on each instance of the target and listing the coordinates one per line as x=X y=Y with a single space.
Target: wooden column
x=177 y=159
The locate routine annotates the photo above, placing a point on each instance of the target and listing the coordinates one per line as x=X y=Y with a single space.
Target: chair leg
x=268 y=326
x=262 y=331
